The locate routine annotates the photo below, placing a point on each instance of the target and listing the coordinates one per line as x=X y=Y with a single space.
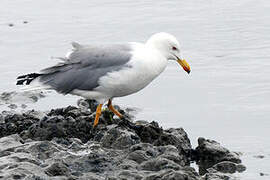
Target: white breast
x=145 y=65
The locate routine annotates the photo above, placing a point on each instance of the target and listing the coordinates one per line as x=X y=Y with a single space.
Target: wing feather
x=84 y=66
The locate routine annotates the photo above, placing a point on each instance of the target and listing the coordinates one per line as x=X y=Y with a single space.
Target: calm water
x=226 y=42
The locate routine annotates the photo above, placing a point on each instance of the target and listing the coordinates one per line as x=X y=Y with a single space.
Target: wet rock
x=15 y=123
x=210 y=152
x=228 y=167
x=240 y=168
x=57 y=169
x=93 y=176
x=264 y=174
x=43 y=150
x=172 y=153
x=23 y=106
x=128 y=164
x=68 y=122
x=22 y=97
x=2 y=119
x=119 y=138
x=15 y=160
x=8 y=143
x=144 y=151
x=32 y=114
x=12 y=106
x=218 y=176
x=183 y=174
x=152 y=133
x=158 y=164
x=178 y=138
x=138 y=156
x=149 y=132
x=62 y=144
x=259 y=156
x=130 y=174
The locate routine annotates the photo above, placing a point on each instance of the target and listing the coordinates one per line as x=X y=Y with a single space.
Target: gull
x=106 y=71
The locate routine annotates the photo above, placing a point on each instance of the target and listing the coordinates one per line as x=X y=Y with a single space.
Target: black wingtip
x=28 y=78
x=20 y=82
x=21 y=77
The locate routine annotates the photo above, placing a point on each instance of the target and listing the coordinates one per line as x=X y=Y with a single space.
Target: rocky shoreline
x=62 y=144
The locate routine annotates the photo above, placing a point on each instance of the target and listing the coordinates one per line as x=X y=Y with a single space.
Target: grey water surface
x=226 y=97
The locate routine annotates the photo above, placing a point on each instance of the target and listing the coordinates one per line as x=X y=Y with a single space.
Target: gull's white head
x=169 y=47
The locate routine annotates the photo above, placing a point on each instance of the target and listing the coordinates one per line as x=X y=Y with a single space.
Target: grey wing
x=84 y=67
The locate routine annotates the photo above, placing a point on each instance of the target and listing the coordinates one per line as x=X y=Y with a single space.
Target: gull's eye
x=174 y=48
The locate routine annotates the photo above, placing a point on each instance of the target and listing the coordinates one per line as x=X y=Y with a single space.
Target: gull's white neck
x=160 y=47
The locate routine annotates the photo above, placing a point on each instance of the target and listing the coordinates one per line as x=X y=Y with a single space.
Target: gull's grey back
x=84 y=66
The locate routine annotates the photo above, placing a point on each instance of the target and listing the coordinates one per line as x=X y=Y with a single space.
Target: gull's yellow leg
x=98 y=113
x=110 y=106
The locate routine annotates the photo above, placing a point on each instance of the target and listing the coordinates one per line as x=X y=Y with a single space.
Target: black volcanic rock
x=62 y=144
x=210 y=153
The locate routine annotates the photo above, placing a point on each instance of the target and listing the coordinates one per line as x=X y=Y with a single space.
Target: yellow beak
x=184 y=64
